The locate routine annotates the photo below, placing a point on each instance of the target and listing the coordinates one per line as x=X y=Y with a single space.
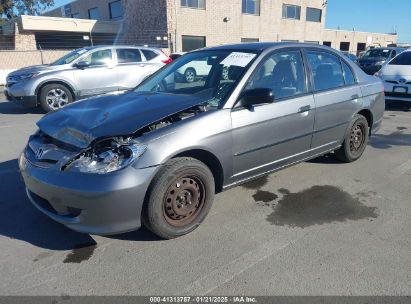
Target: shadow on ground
x=20 y=220
x=383 y=141
x=10 y=108
x=397 y=105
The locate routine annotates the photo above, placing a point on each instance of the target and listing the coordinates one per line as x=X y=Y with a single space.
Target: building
x=190 y=24
x=184 y=25
x=102 y=10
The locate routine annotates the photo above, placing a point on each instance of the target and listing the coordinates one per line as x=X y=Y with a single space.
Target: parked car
x=195 y=70
x=352 y=57
x=83 y=73
x=175 y=56
x=373 y=59
x=159 y=153
x=396 y=76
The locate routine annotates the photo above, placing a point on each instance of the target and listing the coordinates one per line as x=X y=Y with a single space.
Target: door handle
x=304 y=109
x=355 y=96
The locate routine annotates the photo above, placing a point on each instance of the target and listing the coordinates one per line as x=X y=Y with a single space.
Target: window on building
x=327 y=43
x=348 y=75
x=291 y=11
x=191 y=43
x=75 y=15
x=344 y=46
x=249 y=40
x=128 y=55
x=93 y=13
x=313 y=14
x=200 y=4
x=116 y=9
x=361 y=47
x=283 y=73
x=326 y=70
x=251 y=7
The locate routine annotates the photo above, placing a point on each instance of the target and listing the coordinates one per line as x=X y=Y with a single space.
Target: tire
x=190 y=75
x=55 y=96
x=225 y=74
x=169 y=209
x=355 y=140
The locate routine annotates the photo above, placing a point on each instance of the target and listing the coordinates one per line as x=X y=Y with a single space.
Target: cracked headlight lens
x=106 y=160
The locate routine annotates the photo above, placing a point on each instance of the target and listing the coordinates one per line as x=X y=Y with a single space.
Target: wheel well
x=211 y=161
x=368 y=115
x=54 y=82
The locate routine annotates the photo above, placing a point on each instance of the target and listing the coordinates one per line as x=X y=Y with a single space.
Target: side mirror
x=254 y=97
x=82 y=65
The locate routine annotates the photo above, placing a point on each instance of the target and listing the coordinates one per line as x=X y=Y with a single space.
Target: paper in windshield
x=238 y=59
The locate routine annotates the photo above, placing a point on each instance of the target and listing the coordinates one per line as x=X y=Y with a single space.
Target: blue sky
x=364 y=15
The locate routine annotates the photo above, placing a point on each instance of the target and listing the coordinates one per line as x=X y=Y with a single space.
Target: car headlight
x=26 y=76
x=107 y=159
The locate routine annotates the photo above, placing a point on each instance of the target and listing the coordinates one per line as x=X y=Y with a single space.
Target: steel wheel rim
x=57 y=98
x=190 y=76
x=357 y=138
x=225 y=74
x=183 y=200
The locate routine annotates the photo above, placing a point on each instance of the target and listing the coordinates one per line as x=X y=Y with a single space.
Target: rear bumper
x=103 y=204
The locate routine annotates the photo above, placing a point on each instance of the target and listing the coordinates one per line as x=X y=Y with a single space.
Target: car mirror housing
x=82 y=65
x=257 y=96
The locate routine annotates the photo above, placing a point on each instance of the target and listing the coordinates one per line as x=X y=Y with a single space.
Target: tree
x=12 y=8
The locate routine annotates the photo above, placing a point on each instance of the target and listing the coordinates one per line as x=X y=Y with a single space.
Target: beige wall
x=337 y=36
x=269 y=26
x=19 y=59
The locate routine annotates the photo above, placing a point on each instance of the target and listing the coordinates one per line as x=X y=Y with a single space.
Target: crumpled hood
x=112 y=115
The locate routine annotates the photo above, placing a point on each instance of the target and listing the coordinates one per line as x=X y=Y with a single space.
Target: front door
x=99 y=77
x=274 y=135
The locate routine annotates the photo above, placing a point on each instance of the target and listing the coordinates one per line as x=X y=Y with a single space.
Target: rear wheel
x=355 y=141
x=190 y=75
x=179 y=198
x=55 y=96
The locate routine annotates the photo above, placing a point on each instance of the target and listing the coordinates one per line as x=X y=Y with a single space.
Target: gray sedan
x=158 y=154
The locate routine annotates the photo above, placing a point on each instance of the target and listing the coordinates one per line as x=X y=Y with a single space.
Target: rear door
x=337 y=97
x=100 y=76
x=273 y=135
x=131 y=68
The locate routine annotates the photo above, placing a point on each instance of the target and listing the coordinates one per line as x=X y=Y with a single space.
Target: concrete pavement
x=319 y=228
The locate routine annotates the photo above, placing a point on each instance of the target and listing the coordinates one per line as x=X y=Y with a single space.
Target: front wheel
x=355 y=140
x=179 y=198
x=54 y=97
x=190 y=75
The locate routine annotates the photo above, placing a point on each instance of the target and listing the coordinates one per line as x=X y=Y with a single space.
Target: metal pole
x=41 y=54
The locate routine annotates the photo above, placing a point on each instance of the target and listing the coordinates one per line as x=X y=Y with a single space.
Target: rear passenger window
x=348 y=75
x=326 y=70
x=149 y=54
x=283 y=73
x=128 y=55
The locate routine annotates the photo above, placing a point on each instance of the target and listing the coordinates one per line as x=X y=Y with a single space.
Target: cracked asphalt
x=319 y=228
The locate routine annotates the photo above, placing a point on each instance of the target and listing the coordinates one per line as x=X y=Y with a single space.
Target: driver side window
x=99 y=58
x=283 y=73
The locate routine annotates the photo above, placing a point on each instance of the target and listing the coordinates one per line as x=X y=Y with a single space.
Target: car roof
x=120 y=46
x=262 y=46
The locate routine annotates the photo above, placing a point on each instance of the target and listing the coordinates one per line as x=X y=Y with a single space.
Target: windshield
x=70 y=57
x=210 y=75
x=402 y=59
x=377 y=53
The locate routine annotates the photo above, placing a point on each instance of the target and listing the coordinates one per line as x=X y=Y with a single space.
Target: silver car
x=83 y=73
x=158 y=154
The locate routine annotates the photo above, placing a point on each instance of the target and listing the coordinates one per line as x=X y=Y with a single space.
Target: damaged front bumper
x=102 y=204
